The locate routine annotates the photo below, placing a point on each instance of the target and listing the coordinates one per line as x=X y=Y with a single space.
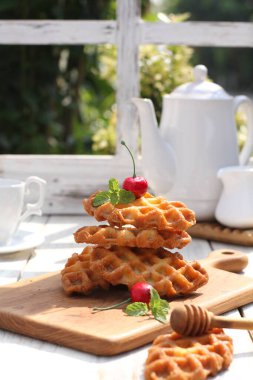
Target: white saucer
x=21 y=241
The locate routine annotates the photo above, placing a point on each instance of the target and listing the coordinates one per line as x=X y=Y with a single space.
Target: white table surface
x=22 y=357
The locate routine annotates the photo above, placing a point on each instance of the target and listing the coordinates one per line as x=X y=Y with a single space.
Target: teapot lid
x=200 y=88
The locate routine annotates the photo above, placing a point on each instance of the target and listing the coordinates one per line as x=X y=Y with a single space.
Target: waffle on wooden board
x=97 y=266
x=132 y=248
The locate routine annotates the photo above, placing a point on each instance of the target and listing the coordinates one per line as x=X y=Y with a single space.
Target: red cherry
x=138 y=185
x=135 y=184
x=140 y=292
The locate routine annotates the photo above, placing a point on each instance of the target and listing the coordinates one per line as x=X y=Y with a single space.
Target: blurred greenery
x=61 y=99
x=52 y=98
x=230 y=67
x=162 y=68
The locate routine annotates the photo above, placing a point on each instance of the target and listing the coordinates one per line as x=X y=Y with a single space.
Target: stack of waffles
x=134 y=246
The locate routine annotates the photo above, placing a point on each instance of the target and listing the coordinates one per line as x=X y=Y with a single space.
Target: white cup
x=13 y=208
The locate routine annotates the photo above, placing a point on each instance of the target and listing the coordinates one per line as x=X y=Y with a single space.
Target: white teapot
x=197 y=137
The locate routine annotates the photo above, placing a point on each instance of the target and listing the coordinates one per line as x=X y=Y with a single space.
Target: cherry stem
x=112 y=306
x=123 y=143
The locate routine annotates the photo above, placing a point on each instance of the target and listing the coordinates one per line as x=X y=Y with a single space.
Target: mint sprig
x=101 y=198
x=114 y=195
x=137 y=308
x=158 y=307
x=113 y=185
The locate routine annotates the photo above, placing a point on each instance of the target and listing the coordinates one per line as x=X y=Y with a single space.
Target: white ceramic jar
x=235 y=206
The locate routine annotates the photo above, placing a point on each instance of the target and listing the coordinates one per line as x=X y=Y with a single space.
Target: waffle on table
x=145 y=212
x=97 y=266
x=132 y=237
x=174 y=357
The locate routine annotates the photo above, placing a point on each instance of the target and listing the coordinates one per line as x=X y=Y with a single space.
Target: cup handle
x=34 y=208
x=248 y=146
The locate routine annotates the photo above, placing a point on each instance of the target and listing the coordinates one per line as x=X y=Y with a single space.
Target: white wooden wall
x=70 y=178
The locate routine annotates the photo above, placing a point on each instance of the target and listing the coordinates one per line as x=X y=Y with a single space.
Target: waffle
x=132 y=237
x=145 y=212
x=77 y=276
x=167 y=272
x=173 y=357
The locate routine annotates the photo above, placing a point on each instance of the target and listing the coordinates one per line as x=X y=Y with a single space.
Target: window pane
x=230 y=67
x=57 y=99
x=208 y=10
x=53 y=10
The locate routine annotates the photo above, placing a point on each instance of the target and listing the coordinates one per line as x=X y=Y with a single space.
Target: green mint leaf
x=101 y=198
x=164 y=304
x=126 y=196
x=160 y=315
x=113 y=185
x=154 y=298
x=137 y=308
x=159 y=307
x=114 y=197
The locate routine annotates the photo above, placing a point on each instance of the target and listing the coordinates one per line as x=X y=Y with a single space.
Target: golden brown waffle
x=173 y=357
x=145 y=212
x=167 y=272
x=132 y=237
x=77 y=277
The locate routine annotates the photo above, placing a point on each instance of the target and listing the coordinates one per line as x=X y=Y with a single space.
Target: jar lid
x=200 y=88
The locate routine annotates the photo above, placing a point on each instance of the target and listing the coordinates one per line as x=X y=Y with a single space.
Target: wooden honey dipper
x=193 y=320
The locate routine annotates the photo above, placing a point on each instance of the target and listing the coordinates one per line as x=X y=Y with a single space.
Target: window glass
x=57 y=99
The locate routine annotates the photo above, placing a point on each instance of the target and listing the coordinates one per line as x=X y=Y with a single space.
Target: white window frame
x=70 y=178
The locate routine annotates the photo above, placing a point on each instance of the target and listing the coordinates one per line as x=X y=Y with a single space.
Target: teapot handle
x=247 y=149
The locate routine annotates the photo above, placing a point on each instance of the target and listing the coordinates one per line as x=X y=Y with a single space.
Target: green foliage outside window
x=50 y=96
x=61 y=99
x=162 y=68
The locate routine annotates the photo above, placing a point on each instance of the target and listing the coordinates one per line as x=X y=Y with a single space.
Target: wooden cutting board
x=39 y=308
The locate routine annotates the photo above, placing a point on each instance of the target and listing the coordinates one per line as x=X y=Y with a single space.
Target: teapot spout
x=158 y=157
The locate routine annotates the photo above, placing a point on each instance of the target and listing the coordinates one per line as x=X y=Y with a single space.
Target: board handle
x=230 y=260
